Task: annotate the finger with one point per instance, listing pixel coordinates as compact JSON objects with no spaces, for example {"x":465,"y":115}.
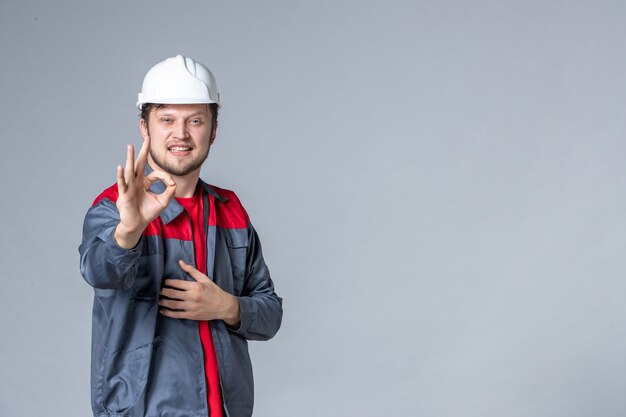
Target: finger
{"x":174,"y":314}
{"x":166,"y":196}
{"x":142,"y":158}
{"x":148,"y":181}
{"x":173,"y":288}
{"x":173,"y":304}
{"x":121,"y":182}
{"x":170,"y":186}
{"x":195,"y":274}
{"x":155,"y":176}
{"x":168,"y":180}
{"x":129,"y":172}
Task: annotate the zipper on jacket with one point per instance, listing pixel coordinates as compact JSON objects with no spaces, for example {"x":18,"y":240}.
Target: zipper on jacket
{"x":193,"y":239}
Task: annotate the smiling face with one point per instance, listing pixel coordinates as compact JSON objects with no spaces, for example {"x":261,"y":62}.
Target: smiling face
{"x":180,"y":137}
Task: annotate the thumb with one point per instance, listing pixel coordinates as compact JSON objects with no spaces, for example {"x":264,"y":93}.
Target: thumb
{"x":193,"y":272}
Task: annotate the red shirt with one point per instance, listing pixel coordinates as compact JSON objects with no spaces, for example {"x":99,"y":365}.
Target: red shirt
{"x":194,"y":207}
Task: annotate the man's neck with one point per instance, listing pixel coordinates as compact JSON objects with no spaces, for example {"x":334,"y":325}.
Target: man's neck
{"x":186,"y":185}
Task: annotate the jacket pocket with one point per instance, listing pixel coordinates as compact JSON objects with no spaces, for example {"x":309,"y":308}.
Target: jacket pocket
{"x":237,"y":244}
{"x":124,"y":376}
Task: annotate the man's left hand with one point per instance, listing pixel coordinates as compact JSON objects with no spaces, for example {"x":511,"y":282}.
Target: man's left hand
{"x":199,"y":300}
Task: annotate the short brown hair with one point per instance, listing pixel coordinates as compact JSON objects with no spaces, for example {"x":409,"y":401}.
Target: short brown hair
{"x":148,"y":107}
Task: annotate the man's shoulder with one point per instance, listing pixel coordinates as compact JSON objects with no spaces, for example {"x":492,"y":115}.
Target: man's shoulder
{"x":230,"y":212}
{"x":110,"y":194}
{"x":224,"y":193}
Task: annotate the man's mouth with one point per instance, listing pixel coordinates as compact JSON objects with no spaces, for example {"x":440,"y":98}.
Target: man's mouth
{"x":179,"y":148}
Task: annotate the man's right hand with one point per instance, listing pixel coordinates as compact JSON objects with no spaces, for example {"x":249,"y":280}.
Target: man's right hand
{"x":137,"y":205}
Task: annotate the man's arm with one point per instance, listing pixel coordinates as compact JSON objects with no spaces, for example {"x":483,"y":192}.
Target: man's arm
{"x":112,"y":230}
{"x":103,"y":263}
{"x":260,"y":307}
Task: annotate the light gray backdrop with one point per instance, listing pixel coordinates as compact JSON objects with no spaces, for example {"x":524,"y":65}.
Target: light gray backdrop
{"x":439,"y":187}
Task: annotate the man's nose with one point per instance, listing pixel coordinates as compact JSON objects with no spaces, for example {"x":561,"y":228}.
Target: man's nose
{"x":180,"y":129}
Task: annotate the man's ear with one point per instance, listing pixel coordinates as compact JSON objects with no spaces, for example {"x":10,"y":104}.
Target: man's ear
{"x":143,"y":128}
{"x":213,"y":133}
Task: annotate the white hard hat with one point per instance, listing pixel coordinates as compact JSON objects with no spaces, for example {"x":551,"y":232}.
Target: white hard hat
{"x":178,"y":80}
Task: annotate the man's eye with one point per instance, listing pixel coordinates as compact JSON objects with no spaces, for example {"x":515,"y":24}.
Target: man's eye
{"x":166,"y":119}
{"x":195,"y":121}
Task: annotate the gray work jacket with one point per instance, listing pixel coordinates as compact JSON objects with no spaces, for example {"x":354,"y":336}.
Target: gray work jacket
{"x":145,"y":364}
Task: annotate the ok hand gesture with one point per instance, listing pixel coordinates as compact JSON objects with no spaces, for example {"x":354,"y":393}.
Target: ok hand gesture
{"x":137,"y":205}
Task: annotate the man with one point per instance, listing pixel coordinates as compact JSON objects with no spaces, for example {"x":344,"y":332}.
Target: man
{"x":177,"y":269}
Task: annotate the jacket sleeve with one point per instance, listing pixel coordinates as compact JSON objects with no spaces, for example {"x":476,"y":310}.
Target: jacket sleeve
{"x":104,"y":264}
{"x":260,"y":307}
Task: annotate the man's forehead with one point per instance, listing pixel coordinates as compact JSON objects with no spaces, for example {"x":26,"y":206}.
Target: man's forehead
{"x":183,"y":109}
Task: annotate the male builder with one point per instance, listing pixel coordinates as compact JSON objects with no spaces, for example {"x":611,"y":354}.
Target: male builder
{"x":179,"y":278}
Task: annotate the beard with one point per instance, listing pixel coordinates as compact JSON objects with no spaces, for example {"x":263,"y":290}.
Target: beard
{"x":180,"y":169}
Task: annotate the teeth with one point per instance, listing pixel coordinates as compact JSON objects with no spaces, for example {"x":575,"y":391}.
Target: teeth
{"x":179,"y":148}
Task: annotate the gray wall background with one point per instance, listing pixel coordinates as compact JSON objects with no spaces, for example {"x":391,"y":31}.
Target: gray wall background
{"x":439,"y":187}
